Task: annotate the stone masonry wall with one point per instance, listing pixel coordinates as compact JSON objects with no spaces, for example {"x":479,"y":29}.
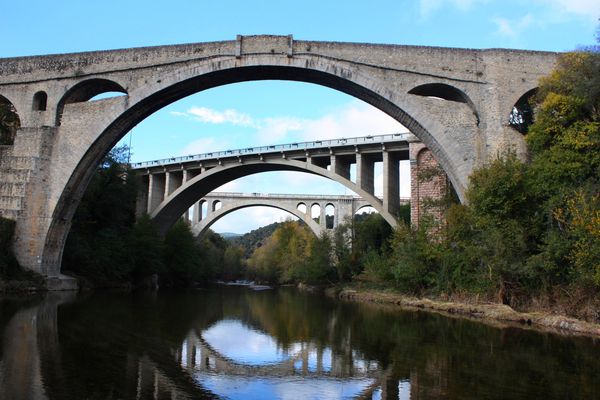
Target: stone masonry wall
{"x":429,"y":185}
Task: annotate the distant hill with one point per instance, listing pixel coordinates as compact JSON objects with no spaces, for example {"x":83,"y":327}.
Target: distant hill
{"x":230,"y":235}
{"x":253,"y":239}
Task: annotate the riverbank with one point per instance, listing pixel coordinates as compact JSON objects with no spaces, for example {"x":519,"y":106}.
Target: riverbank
{"x":493,"y":313}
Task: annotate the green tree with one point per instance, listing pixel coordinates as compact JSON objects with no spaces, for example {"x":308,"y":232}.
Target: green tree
{"x":146,"y":249}
{"x":184,"y":262}
{"x":97,"y":243}
{"x":9,"y":123}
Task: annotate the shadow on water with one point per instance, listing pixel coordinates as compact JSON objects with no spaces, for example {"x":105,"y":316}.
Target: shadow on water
{"x":232,"y":342}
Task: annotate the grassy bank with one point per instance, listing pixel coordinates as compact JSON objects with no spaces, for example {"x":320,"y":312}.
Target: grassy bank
{"x":491,"y":313}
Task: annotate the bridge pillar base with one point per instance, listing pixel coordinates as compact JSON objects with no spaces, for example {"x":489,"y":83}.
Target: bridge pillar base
{"x":61,"y":283}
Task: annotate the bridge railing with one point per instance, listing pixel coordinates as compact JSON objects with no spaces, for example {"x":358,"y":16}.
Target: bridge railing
{"x":228,"y":195}
{"x":371,"y":139}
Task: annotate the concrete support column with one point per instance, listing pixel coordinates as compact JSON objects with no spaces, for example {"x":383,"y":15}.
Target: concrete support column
{"x":323,"y":218}
{"x":156,"y":191}
{"x":141,"y":204}
{"x":340,"y":166}
{"x":365,"y":171}
{"x":391,"y":183}
{"x":336,"y":212}
{"x":173,"y":181}
{"x":197,"y":213}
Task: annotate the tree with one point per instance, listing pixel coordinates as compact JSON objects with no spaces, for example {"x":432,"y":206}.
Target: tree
{"x":9,"y":123}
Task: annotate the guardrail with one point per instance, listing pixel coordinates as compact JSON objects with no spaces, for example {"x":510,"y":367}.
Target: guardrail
{"x":393,"y":137}
{"x":226,"y":195}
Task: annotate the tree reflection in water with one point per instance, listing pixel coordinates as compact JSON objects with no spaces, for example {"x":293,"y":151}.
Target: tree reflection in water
{"x":237,"y":343}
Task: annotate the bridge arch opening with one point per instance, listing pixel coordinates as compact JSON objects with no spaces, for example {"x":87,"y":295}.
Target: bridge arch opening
{"x":329,"y":216}
{"x":301,"y":207}
{"x":145,"y":101}
{"x":521,"y":115}
{"x":366,"y":209}
{"x":315,"y":212}
{"x":202,"y":227}
{"x":445,"y":92}
{"x":40,"y":101}
{"x":85,"y":91}
{"x":10,"y":122}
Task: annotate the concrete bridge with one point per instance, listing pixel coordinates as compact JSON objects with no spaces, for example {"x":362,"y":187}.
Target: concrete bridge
{"x":216,"y":205}
{"x":455,"y":101}
{"x":174,"y":184}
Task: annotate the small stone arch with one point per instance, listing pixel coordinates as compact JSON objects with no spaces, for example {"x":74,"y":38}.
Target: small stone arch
{"x":315,"y":208}
{"x":216,"y":205}
{"x":302,"y":207}
{"x":40,"y":101}
{"x":521,"y":115}
{"x":445,"y":92}
{"x":366,"y":208}
{"x":10,"y":122}
{"x":86,"y":90}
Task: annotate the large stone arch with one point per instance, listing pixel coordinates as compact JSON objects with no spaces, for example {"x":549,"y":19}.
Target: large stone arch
{"x":121,"y":114}
{"x":201,"y":227}
{"x":381,"y":75}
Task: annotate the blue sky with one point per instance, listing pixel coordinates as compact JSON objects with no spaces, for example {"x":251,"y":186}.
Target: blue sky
{"x":279,"y":112}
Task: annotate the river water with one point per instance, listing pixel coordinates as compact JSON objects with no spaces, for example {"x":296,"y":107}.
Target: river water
{"x":240,"y":343}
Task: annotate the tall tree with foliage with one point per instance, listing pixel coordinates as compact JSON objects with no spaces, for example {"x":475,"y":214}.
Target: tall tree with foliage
{"x":97,"y":243}
{"x":564,"y":143}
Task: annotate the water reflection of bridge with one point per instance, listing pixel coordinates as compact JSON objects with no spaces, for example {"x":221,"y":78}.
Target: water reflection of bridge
{"x":32,"y":365}
{"x":307,"y":360}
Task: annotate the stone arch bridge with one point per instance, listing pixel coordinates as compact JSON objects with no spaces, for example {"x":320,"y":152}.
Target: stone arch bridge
{"x":455,"y":101}
{"x":219,"y":204}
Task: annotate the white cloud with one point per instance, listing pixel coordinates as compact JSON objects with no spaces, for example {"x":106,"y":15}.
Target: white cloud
{"x":247,"y":219}
{"x":513,"y":28}
{"x":210,"y":116}
{"x":587,"y":9}
{"x":429,"y":6}
{"x":354,"y":119}
{"x":548,"y":11}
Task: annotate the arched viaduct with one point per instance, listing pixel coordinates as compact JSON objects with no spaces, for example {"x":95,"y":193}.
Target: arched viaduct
{"x":344,"y":207}
{"x":456,"y":101}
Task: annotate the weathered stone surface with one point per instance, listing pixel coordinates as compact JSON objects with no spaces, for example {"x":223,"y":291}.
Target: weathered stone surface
{"x":61,"y":145}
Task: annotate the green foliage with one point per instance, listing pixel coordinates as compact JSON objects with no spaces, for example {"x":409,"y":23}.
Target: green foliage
{"x":182,"y":257}
{"x":9,"y":267}
{"x":319,"y":267}
{"x":293,"y":254}
{"x":499,"y":191}
{"x":414,"y":264}
{"x":254,"y":239}
{"x":528,"y":227}
{"x":212,"y":250}
{"x":9,"y":123}
{"x":146,"y":248}
{"x":233,"y":267}
{"x":97,"y":246}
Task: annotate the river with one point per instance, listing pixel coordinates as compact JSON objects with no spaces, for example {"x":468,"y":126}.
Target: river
{"x":240,"y":343}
